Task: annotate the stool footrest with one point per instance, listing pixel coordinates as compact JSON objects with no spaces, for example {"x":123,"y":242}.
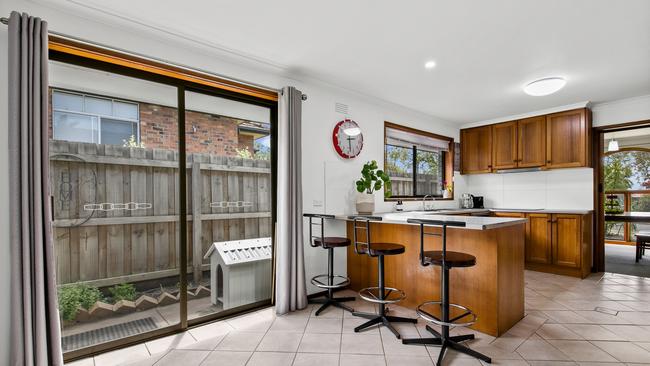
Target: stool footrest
{"x":317,"y":281}
{"x":422,"y":313}
{"x":391,"y":295}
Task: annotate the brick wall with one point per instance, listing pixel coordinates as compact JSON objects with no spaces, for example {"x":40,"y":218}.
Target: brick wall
{"x":205,"y":133}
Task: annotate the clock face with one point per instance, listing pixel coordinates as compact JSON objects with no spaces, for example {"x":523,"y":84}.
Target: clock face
{"x":347,"y":139}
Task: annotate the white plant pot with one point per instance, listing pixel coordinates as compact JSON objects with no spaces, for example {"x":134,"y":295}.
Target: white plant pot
{"x":446,"y":194}
{"x":365,"y":203}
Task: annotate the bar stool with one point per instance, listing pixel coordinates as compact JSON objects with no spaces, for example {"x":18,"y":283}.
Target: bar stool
{"x":642,"y":243}
{"x":328,"y":281}
{"x":446,"y":260}
{"x":380,"y":294}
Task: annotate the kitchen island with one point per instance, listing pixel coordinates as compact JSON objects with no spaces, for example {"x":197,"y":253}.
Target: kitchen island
{"x":493,"y":288}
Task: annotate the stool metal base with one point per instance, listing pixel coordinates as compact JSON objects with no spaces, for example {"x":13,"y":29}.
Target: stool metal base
{"x":385,"y":320}
{"x":328,"y":301}
{"x":450,"y":342}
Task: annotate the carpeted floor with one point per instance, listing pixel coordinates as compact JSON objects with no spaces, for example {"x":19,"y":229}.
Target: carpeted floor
{"x":620,"y":259}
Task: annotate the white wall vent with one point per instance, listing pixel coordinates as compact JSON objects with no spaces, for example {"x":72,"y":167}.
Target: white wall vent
{"x":341,"y":108}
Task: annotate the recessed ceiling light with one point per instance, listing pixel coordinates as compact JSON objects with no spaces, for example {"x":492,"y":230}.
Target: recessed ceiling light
{"x":544,"y":86}
{"x":429,"y":64}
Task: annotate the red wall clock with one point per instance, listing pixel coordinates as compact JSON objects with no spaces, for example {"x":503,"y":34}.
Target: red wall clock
{"x":347,"y":139}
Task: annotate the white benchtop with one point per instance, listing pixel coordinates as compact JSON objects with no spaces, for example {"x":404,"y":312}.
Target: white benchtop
{"x":471,"y":222}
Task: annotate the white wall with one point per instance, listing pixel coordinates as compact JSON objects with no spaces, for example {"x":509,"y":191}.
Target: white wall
{"x":331,"y":191}
{"x":621,"y":111}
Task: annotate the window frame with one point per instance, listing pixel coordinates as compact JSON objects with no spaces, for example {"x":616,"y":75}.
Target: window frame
{"x":98,"y":116}
{"x":447,"y":166}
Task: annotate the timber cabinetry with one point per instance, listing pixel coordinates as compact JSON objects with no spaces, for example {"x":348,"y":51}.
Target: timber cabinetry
{"x":558,"y":140}
{"x":567,"y":139}
{"x":559,"y":243}
{"x":476,"y":150}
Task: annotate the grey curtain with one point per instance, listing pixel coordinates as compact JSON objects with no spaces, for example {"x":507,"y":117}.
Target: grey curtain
{"x":35,"y":333}
{"x":290,"y":284}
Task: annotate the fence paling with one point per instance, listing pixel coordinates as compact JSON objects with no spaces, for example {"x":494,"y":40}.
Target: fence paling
{"x":143,"y":243}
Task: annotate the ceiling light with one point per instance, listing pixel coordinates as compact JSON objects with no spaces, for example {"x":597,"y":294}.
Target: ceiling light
{"x":430,"y":65}
{"x":352,"y":131}
{"x":613,"y":145}
{"x":544,"y":86}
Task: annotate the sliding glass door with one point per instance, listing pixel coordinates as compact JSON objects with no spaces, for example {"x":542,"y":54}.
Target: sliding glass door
{"x":163,"y":203}
{"x":228,"y":145}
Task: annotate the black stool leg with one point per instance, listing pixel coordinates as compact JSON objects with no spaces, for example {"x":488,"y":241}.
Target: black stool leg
{"x":329,"y":299}
{"x":381,"y":318}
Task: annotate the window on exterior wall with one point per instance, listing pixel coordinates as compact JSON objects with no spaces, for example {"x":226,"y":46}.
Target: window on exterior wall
{"x":80,"y":117}
{"x":419,"y":163}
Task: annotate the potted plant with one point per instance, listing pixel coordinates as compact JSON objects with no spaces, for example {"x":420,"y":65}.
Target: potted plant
{"x":448,"y":190}
{"x":372,"y":179}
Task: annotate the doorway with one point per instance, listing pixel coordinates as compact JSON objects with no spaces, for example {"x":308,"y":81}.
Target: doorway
{"x":622,"y":197}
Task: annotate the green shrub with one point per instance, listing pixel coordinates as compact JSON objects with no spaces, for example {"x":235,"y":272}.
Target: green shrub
{"x":124,"y":291}
{"x":75,"y":295}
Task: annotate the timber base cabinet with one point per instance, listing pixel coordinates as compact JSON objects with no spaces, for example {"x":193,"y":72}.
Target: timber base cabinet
{"x":557,"y":243}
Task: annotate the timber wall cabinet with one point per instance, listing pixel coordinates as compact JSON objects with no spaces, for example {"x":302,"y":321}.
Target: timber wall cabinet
{"x":558,"y":140}
{"x":476,"y":155}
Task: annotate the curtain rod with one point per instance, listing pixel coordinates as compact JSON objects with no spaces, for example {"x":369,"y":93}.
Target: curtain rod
{"x":5,"y":21}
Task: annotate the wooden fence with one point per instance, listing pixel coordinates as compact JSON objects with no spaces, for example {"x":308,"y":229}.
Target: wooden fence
{"x":402,"y":184}
{"x":116,"y":210}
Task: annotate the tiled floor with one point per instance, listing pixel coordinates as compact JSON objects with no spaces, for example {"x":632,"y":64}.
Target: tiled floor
{"x":602,"y":320}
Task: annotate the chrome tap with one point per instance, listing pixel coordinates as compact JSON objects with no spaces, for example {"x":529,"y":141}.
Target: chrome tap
{"x":424,"y":206}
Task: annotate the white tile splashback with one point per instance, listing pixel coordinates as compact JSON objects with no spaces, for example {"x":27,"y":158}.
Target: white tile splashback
{"x":552,"y":189}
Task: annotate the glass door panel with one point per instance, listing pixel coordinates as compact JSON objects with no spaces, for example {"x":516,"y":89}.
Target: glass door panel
{"x":115,"y":182}
{"x":228,"y":146}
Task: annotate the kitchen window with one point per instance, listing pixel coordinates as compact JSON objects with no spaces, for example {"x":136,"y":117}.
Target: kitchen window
{"x":87,"y":118}
{"x":419,"y":163}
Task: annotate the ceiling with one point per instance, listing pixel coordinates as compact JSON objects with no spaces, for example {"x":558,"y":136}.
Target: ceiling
{"x":638,"y":137}
{"x":485,"y":50}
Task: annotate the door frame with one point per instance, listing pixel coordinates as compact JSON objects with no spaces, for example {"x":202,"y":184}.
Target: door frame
{"x":181,"y":86}
{"x":598,"y":145}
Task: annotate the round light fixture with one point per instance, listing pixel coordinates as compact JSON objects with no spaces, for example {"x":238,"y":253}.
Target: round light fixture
{"x":429,"y":65}
{"x":544,"y":86}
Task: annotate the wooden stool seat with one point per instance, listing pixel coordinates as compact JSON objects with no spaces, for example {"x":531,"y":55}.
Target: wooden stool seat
{"x":453,"y":259}
{"x":385,"y":249}
{"x":332,"y":242}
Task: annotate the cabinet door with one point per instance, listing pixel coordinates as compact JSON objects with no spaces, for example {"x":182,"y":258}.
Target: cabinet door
{"x":566,"y":139}
{"x":476,"y":150}
{"x":504,"y":145}
{"x":567,"y":230}
{"x":538,"y":238}
{"x":531,"y":142}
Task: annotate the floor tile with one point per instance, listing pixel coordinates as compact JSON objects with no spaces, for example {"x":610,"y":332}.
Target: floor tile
{"x":170,"y":342}
{"x":402,"y":360}
{"x":289,"y":324}
{"x":83,"y":362}
{"x":630,"y":332}
{"x":625,"y":351}
{"x":362,"y":360}
{"x":582,"y":351}
{"x":394,"y":346}
{"x":121,"y":356}
{"x":211,"y":330}
{"x":251,"y":323}
{"x":280,"y":342}
{"x":324,"y":325}
{"x":316,"y":359}
{"x":557,"y":331}
{"x":271,"y":359}
{"x":593,"y":332}
{"x":536,"y":348}
{"x":240,"y":341}
{"x":329,"y":312}
{"x":361,"y":344}
{"x":552,"y":363}
{"x":177,"y":357}
{"x":230,"y":358}
{"x":320,"y":343}
{"x":350,"y":323}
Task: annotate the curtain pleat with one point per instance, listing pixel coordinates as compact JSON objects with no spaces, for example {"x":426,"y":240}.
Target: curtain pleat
{"x":290,"y":284}
{"x":35,"y":331}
